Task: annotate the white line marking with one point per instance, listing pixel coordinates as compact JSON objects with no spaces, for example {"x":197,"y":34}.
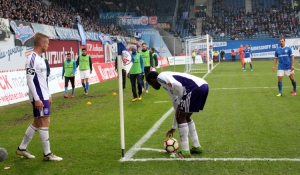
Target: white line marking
{"x":218,"y":159}
{"x":161,"y":101}
{"x":154,"y":128}
{"x":240,"y":88}
{"x":152,"y":149}
{"x":130,"y":153}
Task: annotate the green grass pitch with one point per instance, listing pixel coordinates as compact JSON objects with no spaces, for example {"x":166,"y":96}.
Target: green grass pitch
{"x":242,"y":119}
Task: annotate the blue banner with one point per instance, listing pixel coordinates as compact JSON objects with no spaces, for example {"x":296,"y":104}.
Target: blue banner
{"x":82,"y":34}
{"x":67,"y":34}
{"x":105,"y":38}
{"x":260,"y":48}
{"x":92,"y":36}
{"x":152,"y":38}
{"x":45,"y":29}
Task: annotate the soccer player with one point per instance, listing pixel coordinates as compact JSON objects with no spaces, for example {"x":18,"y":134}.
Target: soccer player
{"x":241,"y":54}
{"x":40,"y":97}
{"x":84,"y":62}
{"x":210,"y":57}
{"x":285,"y":57}
{"x":194,"y":56}
{"x":148,"y":63}
{"x":68,"y":72}
{"x":248,"y":56}
{"x":154,"y":58}
{"x":136,"y":72}
{"x":188,"y":94}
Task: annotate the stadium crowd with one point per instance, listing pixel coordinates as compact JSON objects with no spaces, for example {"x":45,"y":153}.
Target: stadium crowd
{"x":273,"y":21}
{"x":59,"y":13}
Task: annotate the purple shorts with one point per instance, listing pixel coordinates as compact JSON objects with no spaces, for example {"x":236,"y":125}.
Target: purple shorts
{"x":43,"y":113}
{"x":194,"y":101}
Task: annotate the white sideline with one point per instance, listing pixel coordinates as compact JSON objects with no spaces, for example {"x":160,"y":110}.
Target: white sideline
{"x":242,"y":88}
{"x":219,"y":159}
{"x":130,"y":153}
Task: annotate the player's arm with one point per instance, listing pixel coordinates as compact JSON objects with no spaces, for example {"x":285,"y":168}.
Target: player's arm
{"x":63,"y":70}
{"x":77,"y":62}
{"x":74,"y":68}
{"x":155,"y":60}
{"x":292,"y":58}
{"x":91,"y":64}
{"x":275,"y":61}
{"x":151,"y":60}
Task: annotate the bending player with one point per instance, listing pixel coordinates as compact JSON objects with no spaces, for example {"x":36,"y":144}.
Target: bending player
{"x":188,"y":94}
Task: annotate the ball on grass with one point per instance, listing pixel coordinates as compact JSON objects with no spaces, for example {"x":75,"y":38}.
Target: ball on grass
{"x":3,"y":154}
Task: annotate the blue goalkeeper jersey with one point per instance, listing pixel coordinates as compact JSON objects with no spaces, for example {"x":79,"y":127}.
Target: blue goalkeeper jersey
{"x":284,"y":57}
{"x":247,"y":53}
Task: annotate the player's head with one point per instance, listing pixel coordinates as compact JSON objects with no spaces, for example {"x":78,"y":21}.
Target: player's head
{"x":241,"y":45}
{"x":282,"y":41}
{"x":152,"y":49}
{"x":246,"y":45}
{"x":151,"y":78}
{"x":133,"y":48}
{"x":210,"y":47}
{"x":68,"y":56}
{"x":41,"y":41}
{"x":83,"y":51}
{"x":144,"y":46}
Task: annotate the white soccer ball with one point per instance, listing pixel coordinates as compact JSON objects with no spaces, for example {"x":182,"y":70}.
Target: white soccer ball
{"x":171,"y":145}
{"x":3,"y":154}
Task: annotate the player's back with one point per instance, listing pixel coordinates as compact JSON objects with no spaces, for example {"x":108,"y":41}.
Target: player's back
{"x":188,"y":81}
{"x":36,"y":71}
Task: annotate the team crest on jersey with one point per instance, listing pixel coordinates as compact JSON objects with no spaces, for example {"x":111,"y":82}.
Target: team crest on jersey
{"x":30,"y":71}
{"x":46,"y":111}
{"x":285,"y":50}
{"x":170,"y":85}
{"x":126,"y":56}
{"x":22,"y":33}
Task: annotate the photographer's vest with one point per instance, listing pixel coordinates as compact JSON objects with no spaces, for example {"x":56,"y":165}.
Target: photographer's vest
{"x":84,"y":62}
{"x":146,"y":57}
{"x":69,"y":67}
{"x":136,"y":66}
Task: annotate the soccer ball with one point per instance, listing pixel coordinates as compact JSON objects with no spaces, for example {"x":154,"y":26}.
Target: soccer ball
{"x":171,"y":145}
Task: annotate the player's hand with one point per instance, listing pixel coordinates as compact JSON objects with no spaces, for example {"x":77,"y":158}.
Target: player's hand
{"x":273,"y":68}
{"x":292,"y":68}
{"x":62,"y":77}
{"x":170,"y":133}
{"x":90,"y":72}
{"x":72,"y":75}
{"x":39,"y":105}
{"x":50,"y":101}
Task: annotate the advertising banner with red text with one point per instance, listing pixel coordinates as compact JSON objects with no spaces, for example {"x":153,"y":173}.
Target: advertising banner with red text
{"x":58,"y":49}
{"x":105,"y":71}
{"x":13,"y":87}
{"x":163,"y":62}
{"x":95,"y":50}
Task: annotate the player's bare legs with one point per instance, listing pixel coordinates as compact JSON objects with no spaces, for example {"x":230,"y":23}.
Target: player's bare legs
{"x":292,"y":78}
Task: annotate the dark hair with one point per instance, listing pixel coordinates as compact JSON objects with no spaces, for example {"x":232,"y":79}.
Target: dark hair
{"x":83,"y":48}
{"x":151,"y":75}
{"x":144,"y":44}
{"x":68,"y":53}
{"x":152,"y":48}
{"x":282,"y":38}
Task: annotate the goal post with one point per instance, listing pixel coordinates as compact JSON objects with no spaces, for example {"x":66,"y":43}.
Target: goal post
{"x":198,"y":62}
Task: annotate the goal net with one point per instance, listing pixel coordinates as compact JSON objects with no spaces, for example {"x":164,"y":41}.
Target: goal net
{"x":199,"y":61}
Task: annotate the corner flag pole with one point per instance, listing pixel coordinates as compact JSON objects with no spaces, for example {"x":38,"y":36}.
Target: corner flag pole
{"x":120,"y":62}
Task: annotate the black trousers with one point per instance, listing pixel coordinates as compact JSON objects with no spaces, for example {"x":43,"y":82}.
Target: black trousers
{"x":71,"y":79}
{"x":136,"y":79}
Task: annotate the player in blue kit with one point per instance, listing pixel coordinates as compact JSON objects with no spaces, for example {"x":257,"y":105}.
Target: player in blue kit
{"x":188,"y":94}
{"x":39,"y":94}
{"x":285,"y":57}
{"x":247,"y":57}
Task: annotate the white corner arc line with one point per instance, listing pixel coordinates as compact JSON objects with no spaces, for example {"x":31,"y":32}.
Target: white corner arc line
{"x":219,"y":159}
{"x":154,"y":128}
{"x":152,"y":149}
{"x":130,"y":153}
